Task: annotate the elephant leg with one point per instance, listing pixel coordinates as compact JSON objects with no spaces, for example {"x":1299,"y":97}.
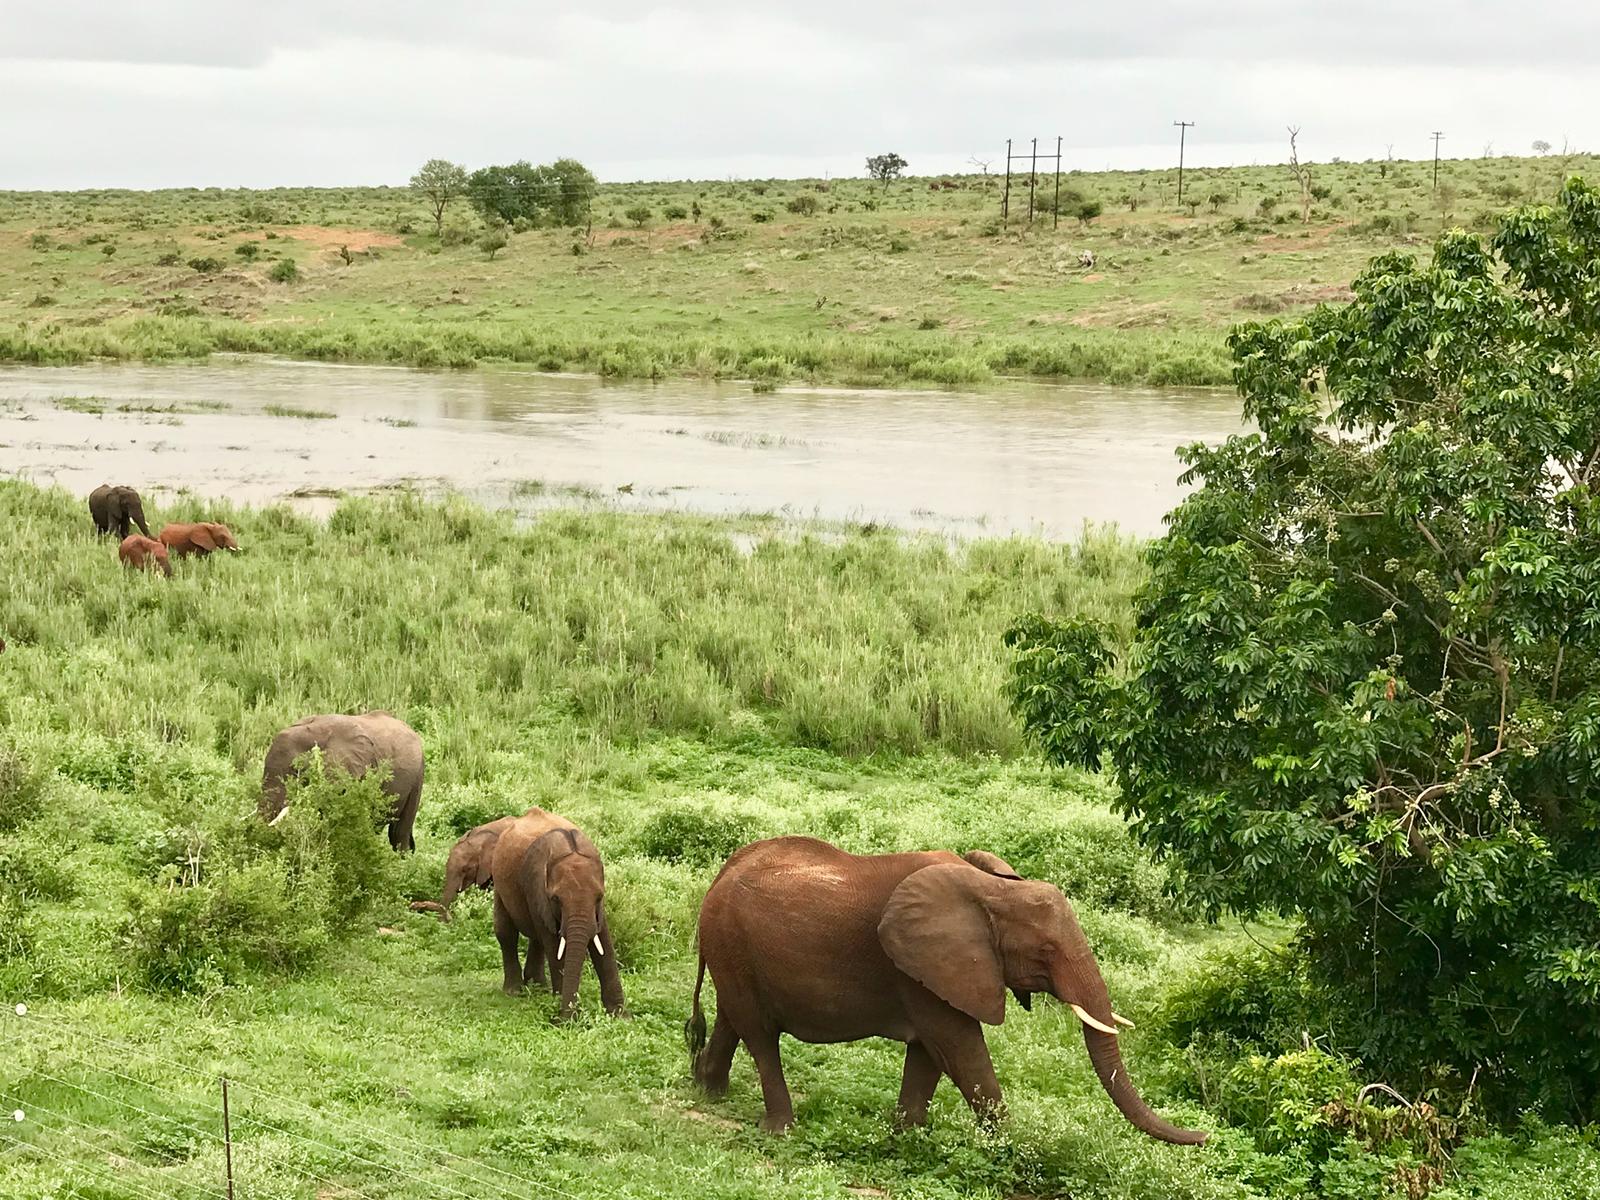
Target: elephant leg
{"x":533,"y":971}
{"x":505,"y":932}
{"x":610,"y":975}
{"x":763,"y":1047}
{"x":401,"y":829}
{"x":917,"y":1086}
{"x":966,"y":1060}
{"x":716,"y":1060}
{"x":547,"y":947}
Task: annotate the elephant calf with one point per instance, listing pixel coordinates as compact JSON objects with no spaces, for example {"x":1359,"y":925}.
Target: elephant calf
{"x":471,"y":864}
{"x":355,"y":745}
{"x":199,"y":538}
{"x":144,"y":554}
{"x":114,"y":508}
{"x":549,"y":886}
{"x":804,"y":939}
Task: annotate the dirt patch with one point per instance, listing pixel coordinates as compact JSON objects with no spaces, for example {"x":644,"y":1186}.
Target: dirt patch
{"x":325,"y":237}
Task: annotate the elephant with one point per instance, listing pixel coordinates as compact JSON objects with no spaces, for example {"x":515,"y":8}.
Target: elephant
{"x":470,"y":864}
{"x":144,"y":553}
{"x":805,"y":939}
{"x":115,"y":509}
{"x":199,"y":538}
{"x":549,"y":885}
{"x":356,"y":745}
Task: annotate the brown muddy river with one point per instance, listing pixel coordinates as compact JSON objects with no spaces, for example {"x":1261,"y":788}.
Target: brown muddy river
{"x":1039,"y":458}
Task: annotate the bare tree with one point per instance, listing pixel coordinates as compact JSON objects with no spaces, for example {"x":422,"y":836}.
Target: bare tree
{"x":981,"y":163}
{"x":1488,"y":149}
{"x":1301,"y":173}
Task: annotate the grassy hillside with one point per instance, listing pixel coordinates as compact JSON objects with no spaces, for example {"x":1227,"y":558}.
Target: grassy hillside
{"x":676,"y":695}
{"x":823,"y":280}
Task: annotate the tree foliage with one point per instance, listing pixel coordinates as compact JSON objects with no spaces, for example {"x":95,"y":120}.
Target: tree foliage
{"x":555,"y":193}
{"x":1364,"y":686}
{"x":440,"y":182}
{"x":885,"y":167}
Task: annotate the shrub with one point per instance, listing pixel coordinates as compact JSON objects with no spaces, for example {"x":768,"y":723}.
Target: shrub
{"x":760,"y":217}
{"x":675,"y":212}
{"x":285,"y":270}
{"x":1393,"y":631}
{"x":168,"y":258}
{"x":696,"y":834}
{"x":1087,"y":210}
{"x":455,"y":235}
{"x":249,"y":251}
{"x":206,"y":265}
{"x":39,"y":241}
{"x":493,"y":241}
{"x":805,"y":204}
{"x":638,"y":214}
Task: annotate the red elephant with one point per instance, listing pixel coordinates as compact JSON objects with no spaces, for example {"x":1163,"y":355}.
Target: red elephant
{"x":144,"y":554}
{"x":200,"y":538}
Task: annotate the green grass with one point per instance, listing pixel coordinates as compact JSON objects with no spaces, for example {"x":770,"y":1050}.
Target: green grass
{"x":673,"y":693}
{"x":908,"y":285}
{"x":304,"y":414}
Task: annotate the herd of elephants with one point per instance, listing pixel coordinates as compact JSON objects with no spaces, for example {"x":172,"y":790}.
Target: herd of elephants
{"x":800,"y":937}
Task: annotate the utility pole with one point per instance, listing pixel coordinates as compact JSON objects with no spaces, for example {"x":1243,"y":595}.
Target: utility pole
{"x":227,"y":1135}
{"x":1436,"y":136}
{"x":1033,"y":180}
{"x":1055,"y":208}
{"x":1183,"y":133}
{"x":1005,"y":196}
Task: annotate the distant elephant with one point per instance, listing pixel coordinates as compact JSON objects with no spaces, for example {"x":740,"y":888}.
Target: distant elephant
{"x":115,"y":509}
{"x":804,"y":939}
{"x":144,"y":554}
{"x":199,"y":538}
{"x":356,"y":745}
{"x":470,"y":864}
{"x":549,"y":886}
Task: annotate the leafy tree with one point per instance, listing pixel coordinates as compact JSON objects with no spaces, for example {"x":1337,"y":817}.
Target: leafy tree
{"x":509,"y":193}
{"x":1087,"y":210}
{"x":494,"y":239}
{"x":805,"y":204}
{"x":1540,"y":146}
{"x":885,"y":167}
{"x":439,"y":182}
{"x":1216,"y":200}
{"x":1364,"y":682}
{"x":638,"y":214}
{"x":573,"y":191}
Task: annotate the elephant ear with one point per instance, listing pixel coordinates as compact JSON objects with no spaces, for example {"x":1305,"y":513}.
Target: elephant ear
{"x":200,"y":535}
{"x":991,"y":864}
{"x":936,"y":928}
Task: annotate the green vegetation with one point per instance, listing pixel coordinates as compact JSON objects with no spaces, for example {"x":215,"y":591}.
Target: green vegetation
{"x":1394,"y":636}
{"x":676,"y":691}
{"x":305,"y":414}
{"x":833,"y":280}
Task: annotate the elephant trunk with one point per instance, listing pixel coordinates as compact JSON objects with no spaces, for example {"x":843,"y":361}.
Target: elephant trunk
{"x":138,"y":517}
{"x":1081,"y":985}
{"x":576,"y":931}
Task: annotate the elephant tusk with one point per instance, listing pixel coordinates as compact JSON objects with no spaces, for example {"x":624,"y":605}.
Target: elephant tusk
{"x":1083,"y":1015}
{"x":598,"y":948}
{"x":561,"y":947}
{"x":282,"y":812}
{"x":1122,"y":1020}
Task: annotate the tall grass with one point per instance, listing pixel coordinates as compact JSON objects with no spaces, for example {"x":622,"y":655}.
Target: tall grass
{"x":675,"y":690}
{"x":1128,"y":357}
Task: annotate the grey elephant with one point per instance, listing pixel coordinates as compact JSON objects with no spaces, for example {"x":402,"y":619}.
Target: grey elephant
{"x":116,"y":509}
{"x":356,"y":745}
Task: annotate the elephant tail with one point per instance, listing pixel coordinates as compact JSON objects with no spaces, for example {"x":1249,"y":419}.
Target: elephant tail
{"x":694,"y":1029}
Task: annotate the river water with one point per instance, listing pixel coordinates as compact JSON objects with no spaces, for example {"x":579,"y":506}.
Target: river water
{"x":1017,"y":457}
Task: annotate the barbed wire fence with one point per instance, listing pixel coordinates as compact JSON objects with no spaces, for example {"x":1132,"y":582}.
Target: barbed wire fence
{"x":211,"y":1135}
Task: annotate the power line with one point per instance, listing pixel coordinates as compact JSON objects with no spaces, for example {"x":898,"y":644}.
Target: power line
{"x":1437,"y":134}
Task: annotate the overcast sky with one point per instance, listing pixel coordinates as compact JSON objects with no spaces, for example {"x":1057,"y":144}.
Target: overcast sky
{"x":153,"y":93}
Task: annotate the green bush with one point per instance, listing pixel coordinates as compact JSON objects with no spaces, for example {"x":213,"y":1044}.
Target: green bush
{"x":206,"y":265}
{"x":285,"y":270}
{"x":249,"y":251}
{"x":675,"y":212}
{"x":696,"y":834}
{"x":1393,"y":634}
{"x":805,"y":204}
{"x":639,"y":214}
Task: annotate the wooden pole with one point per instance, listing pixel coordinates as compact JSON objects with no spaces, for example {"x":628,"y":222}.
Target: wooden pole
{"x":227,"y":1135}
{"x":1055,"y":209}
{"x":1033,"y":180}
{"x":1183,"y":132}
{"x":1005,"y":196}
